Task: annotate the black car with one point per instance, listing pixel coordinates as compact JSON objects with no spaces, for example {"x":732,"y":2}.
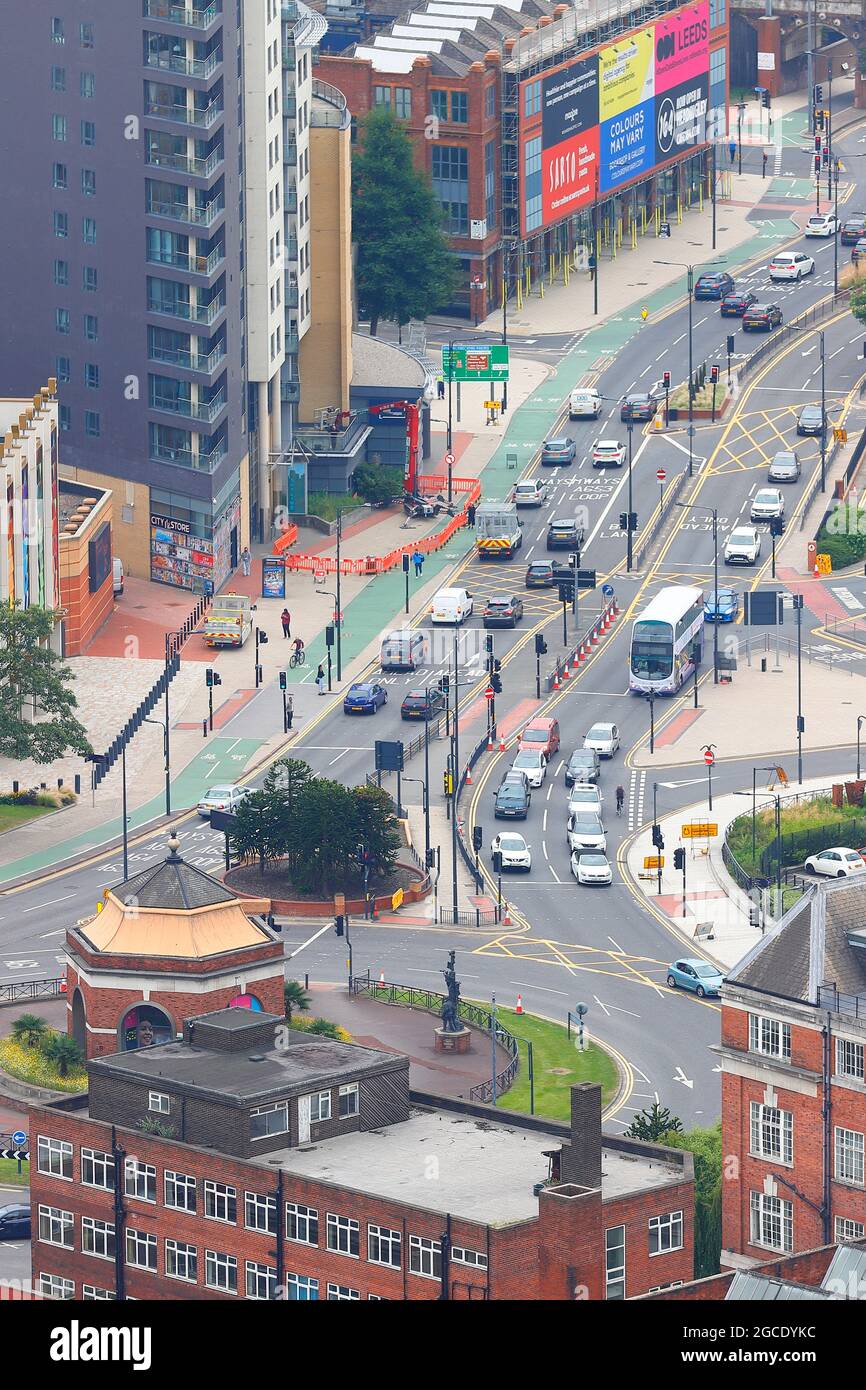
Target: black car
{"x":641,"y":405}
{"x":733,"y":306}
{"x":565,"y":535}
{"x":503,"y":612}
{"x":852,"y":230}
{"x":539,"y":575}
{"x":15,"y":1222}
{"x":761,"y":316}
{"x":715,"y":284}
{"x":422,"y":704}
{"x":511,"y":801}
{"x":811,"y":420}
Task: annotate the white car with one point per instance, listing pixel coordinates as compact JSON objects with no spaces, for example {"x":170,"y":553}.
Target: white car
{"x":767,"y":504}
{"x":531,"y":762}
{"x":591,"y":868}
{"x":822,"y":224}
{"x":603,"y":739}
{"x":608,"y":453}
{"x":515,"y":852}
{"x":584,"y":403}
{"x":586,"y":832}
{"x":451,"y":606}
{"x":584,"y":798}
{"x":835,"y":863}
{"x":224,"y":798}
{"x":791,"y":265}
{"x":532,"y":492}
{"x":743,"y":546}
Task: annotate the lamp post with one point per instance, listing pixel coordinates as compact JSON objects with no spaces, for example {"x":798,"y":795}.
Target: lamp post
{"x":740,"y":109}
{"x":765,"y":767}
{"x":629,"y":544}
{"x":508,"y":250}
{"x":651,"y":701}
{"x":714,"y":513}
{"x":455,"y":782}
{"x":861,"y":718}
{"x":690,"y":285}
{"x":595,"y":247}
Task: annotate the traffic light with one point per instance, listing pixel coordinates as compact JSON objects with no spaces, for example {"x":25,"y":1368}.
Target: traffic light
{"x":430,"y":858}
{"x":817,"y":164}
{"x":496,"y":684}
{"x":541,"y":645}
{"x":632,"y":521}
{"x":329,"y":635}
{"x":444,"y":684}
{"x":679,"y":858}
{"x":666,"y":380}
{"x":497,"y":665}
{"x":497,"y":861}
{"x":817,"y":144}
{"x":714,"y":376}
{"x":765,"y":98}
{"x":658,"y":837}
{"x":729,"y":346}
{"x":819,"y":95}
{"x":405,"y":563}
{"x":283,"y":680}
{"x":477,"y":837}
{"x":340,"y":925}
{"x":777,"y":525}
{"x":566,"y":592}
{"x":623,"y":521}
{"x":819,"y":120}
{"x":754,"y":917}
{"x":488,"y":642}
{"x":212,"y":678}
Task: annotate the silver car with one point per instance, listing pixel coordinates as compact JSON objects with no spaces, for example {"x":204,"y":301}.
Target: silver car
{"x":767,"y":504}
{"x":586,"y":832}
{"x":223,"y":798}
{"x":784,"y":467}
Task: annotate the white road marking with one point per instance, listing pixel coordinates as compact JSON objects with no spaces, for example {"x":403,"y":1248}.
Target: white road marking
{"x":520,"y":984}
{"x":845,"y":596}
{"x":50,"y":903}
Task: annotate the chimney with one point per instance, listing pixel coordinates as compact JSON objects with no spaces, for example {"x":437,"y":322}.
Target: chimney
{"x":581,"y":1155}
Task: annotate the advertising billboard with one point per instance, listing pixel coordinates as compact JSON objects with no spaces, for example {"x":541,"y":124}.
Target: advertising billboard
{"x":569,"y":140}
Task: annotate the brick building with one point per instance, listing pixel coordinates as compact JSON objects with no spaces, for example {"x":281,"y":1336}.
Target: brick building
{"x":85,"y":557}
{"x":830,"y":1272}
{"x":251,"y":1160}
{"x":793,"y":1087}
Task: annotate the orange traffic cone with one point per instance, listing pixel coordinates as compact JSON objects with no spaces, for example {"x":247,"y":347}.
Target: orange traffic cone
{"x":381,"y":979}
{"x":506,"y":920}
{"x":490,"y":739}
{"x":519,"y":1009}
{"x":594,"y":637}
{"x":566,"y":673}
{"x":468,"y":775}
{"x":556,"y":681}
{"x":502,"y":743}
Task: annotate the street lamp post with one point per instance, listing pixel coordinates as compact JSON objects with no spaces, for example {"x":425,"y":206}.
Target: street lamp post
{"x":690,"y":284}
{"x":836,"y":234}
{"x":755,"y":770}
{"x":595,"y":246}
{"x":651,"y":701}
{"x":861,"y":718}
{"x":714,"y":513}
{"x":629,"y":533}
{"x":455,"y":782}
{"x":507,"y":253}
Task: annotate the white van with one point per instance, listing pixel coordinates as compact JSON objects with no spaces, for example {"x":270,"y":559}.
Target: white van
{"x":451,"y":606}
{"x":404,"y":650}
{"x":584,"y":404}
{"x":117,"y":576}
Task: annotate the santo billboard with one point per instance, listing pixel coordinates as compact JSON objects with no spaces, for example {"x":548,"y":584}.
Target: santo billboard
{"x":612,"y":115}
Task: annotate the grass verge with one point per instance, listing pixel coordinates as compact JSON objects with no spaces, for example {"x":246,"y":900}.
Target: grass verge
{"x":805,"y":827}
{"x":13,"y":816}
{"x":29,"y":1064}
{"x":9,"y":1175}
{"x":557,"y":1064}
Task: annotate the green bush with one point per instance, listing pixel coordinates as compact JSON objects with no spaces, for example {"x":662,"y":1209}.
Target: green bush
{"x":843,"y":537}
{"x":61,"y":796}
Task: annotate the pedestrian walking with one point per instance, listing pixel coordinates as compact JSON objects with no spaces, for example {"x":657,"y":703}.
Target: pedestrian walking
{"x":591,"y":264}
{"x":286,"y":620}
{"x":764,"y":164}
{"x":418,"y":562}
{"x":320,"y":679}
{"x":732,"y":149}
{"x":440,"y":387}
{"x":246,"y":560}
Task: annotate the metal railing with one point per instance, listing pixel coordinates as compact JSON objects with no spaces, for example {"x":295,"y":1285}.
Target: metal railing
{"x":189,"y":409}
{"x":829,"y":997}
{"x":746,"y":880}
{"x":468,"y":917}
{"x":192,"y":313}
{"x":815,"y":315}
{"x":187,"y":15}
{"x":185,"y":163}
{"x":14,"y":991}
{"x":186,"y":212}
{"x":647,"y":537}
{"x":184,"y":115}
{"x":178,"y":62}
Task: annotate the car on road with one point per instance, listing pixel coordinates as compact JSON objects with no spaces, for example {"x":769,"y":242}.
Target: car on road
{"x":423,"y":704}
{"x":743,"y":546}
{"x":811,"y":420}
{"x":533,"y":764}
{"x":821,"y":224}
{"x":559,"y":450}
{"x":543,"y":734}
{"x":584,"y":797}
{"x":503,"y":612}
{"x":603,"y":739}
{"x":585,"y":831}
{"x":565,"y":534}
{"x":584,"y":403}
{"x":761,"y":318}
{"x":639,"y":405}
{"x":853,"y":228}
{"x":734,"y":305}
{"x":784,"y":467}
{"x":367,"y":697}
{"x":721,"y":606}
{"x":15,"y":1221}
{"x":226,"y":797}
{"x":858,"y":251}
{"x":608,"y":453}
{"x":582,"y":766}
{"x":790,"y":265}
{"x":451,"y":606}
{"x":511,"y":800}
{"x":514,"y":851}
{"x":767,"y":504}
{"x":531,"y":492}
{"x":713,"y":284}
{"x":838,"y":862}
{"x":590,"y":868}
{"x":539,"y":575}
{"x":702,"y":978}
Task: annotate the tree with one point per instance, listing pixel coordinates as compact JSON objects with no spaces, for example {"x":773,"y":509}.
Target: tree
{"x":405,"y":268}
{"x":706,"y":1147}
{"x":377,"y":484}
{"x":29,"y":1029}
{"x":376,"y":828}
{"x":858,"y":303}
{"x":295,"y":997}
{"x":63,"y":1052}
{"x":653,"y":1123}
{"x":33,"y":678}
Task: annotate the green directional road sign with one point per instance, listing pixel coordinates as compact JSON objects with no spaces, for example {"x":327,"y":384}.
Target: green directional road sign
{"x":486,"y":362}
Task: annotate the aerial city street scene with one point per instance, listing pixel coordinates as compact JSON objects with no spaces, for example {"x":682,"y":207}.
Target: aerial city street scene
{"x":433,"y":578}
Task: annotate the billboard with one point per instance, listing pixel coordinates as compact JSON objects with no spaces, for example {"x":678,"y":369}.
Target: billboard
{"x":569,"y":141}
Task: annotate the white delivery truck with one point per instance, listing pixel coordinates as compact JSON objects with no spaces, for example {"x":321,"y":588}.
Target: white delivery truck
{"x":498,"y":533}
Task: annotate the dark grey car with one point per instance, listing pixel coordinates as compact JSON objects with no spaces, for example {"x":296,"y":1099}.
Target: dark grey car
{"x":784,"y":467}
{"x":582,"y":766}
{"x":811,"y":420}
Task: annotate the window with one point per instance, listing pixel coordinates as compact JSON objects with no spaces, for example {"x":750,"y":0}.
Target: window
{"x":462,"y":1256}
{"x":91,"y":376}
{"x":383,"y":1246}
{"x":57,"y":32}
{"x":89,"y":279}
{"x":61,"y":224}
{"x":772,"y":1132}
{"x":220,"y":1202}
{"x":425,"y":1257}
{"x":59,"y":178}
{"x":382,"y":97}
{"x":269,"y":1119}
{"x":717,"y":111}
{"x":179,"y":1191}
{"x":181,"y":1261}
{"x":451,"y":184}
{"x":260,"y":1213}
{"x":97,"y":1169}
{"x":301,"y":1289}
{"x":849,"y":1155}
{"x":302,"y":1224}
{"x":56,"y":1227}
{"x":58,"y":128}
{"x":53,"y":1286}
{"x":460,"y":107}
{"x":141,"y":1249}
{"x":61,"y":272}
{"x":88,"y":183}
{"x":849,"y":1230}
{"x":338,"y":1292}
{"x":849,"y":1058}
{"x":770,"y":1037}
{"x":717,"y":13}
{"x":220,"y":1271}
{"x":97,"y":1238}
{"x":666,"y":1233}
{"x":62,"y":323}
{"x":348,"y":1101}
{"x":88,"y":85}
{"x":532,"y":183}
{"x":58,"y":79}
{"x":490,"y":100}
{"x":88,"y":133}
{"x":140,"y":1178}
{"x":87,"y":35}
{"x":261,"y":1281}
{"x":88,"y":231}
{"x":90,"y":1293}
{"x":91,"y":328}
{"x":403,"y":103}
{"x":772,"y":1222}
{"x":439,"y":104}
{"x":532,"y":98}
{"x":62,"y":369}
{"x":343,"y":1234}
{"x":159,"y":1103}
{"x":320,"y":1106}
{"x":54,"y":1155}
{"x":614,"y":1262}
{"x":64,"y":417}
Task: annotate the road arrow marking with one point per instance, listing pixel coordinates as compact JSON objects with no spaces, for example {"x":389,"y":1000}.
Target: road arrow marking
{"x":681,"y":1076}
{"x":600,"y":1005}
{"x":690,"y":783}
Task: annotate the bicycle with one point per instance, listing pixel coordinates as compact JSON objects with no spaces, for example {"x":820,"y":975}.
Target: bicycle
{"x":297,"y":658}
{"x":620,"y":800}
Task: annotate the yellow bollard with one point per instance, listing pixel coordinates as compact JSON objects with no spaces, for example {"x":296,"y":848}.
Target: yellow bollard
{"x":700,"y":197}
{"x":634,"y":236}
{"x":664,"y":207}
{"x":643,"y":219}
{"x":541,"y":285}
{"x":565,"y":269}
{"x":519,"y":293}
{"x":679,"y":208}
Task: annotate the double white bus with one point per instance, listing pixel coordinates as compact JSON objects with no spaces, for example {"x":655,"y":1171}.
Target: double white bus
{"x":663,"y":641}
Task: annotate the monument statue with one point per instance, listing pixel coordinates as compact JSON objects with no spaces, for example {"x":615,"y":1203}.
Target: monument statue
{"x":449,"y":1013}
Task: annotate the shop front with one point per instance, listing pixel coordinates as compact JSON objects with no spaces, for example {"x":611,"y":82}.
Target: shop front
{"x":189,"y":549}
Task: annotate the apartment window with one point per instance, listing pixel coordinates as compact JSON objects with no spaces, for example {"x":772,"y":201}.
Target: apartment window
{"x":159,"y":1103}
{"x":91,"y":328}
{"x":88,"y":133}
{"x":269,"y":1119}
{"x":61,"y":224}
{"x":141,"y":1249}
{"x":849,"y":1155}
{"x":54,"y":1155}
{"x":666,"y":1233}
{"x":614,"y":1263}
{"x":179,"y":1191}
{"x":461,"y":1256}
{"x":260,"y":1213}
{"x":64,"y":418}
{"x":91,"y":376}
{"x":770,"y":1037}
{"x":490,"y":100}
{"x":88,"y":85}
{"x":90,"y":1293}
{"x":382,"y":97}
{"x":302,"y":1224}
{"x":57,"y":32}
{"x":383,"y":1246}
{"x":532,"y":183}
{"x":53,"y":1286}
{"x":56,"y":1227}
{"x":451,"y":185}
{"x":849,"y":1058}
{"x":62,"y":369}
{"x":58,"y":128}
{"x":460,"y":108}
{"x":717,"y":13}
{"x":140,"y":1178}
{"x":439,"y":104}
{"x":490,"y":184}
{"x":403,"y":103}
{"x":343,"y":1234}
{"x":61,"y":272}
{"x":181,"y":1261}
{"x":320,"y":1104}
{"x":58,"y":79}
{"x":87,"y":35}
{"x":846,"y":1229}
{"x":97,"y":1238}
{"x":342,"y":1293}
{"x":772,"y":1222}
{"x":532,"y":98}
{"x":348,"y":1101}
{"x":425,"y":1257}
{"x":62,"y":324}
{"x":88,"y":231}
{"x":261,"y":1281}
{"x":301,"y":1289}
{"x":88,"y":183}
{"x":59,"y":177}
{"x":89,"y":279}
{"x":220,"y":1202}
{"x":772,"y":1132}
{"x":97,"y":1169}
{"x":92,"y":424}
{"x":220,"y":1271}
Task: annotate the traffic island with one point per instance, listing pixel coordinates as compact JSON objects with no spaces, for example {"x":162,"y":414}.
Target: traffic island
{"x":408,"y":883}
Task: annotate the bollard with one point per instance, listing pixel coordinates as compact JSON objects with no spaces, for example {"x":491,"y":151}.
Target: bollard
{"x":59,"y":783}
{"x":14,"y":788}
{"x":204,"y":728}
{"x":78,"y":784}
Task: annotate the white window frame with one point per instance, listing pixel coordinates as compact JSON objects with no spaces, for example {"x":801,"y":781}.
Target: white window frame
{"x":100,"y":1232}
{"x":281,"y":1110}
{"x":423,"y":1252}
{"x":848,"y":1051}
{"x":849,"y":1150}
{"x":91,"y":1294}
{"x":310,"y":1287}
{"x":183,"y":1254}
{"x":460,"y":1255}
{"x":766,"y":1213}
{"x":180,"y":1182}
{"x":771,"y":1133}
{"x":59,"y":1227}
{"x":53,"y":1156}
{"x":614,"y":1274}
{"x":320,"y":1100}
{"x":350,"y":1091}
{"x":159,"y":1103}
{"x":137,"y":1174}
{"x":847,"y":1229}
{"x":341,"y":1293}
{"x":770,"y":1037}
{"x":303,"y":1217}
{"x":665,"y":1228}
{"x":216,"y":1262}
{"x":389,"y":1241}
{"x":54,"y":1286}
{"x":221,"y":1194}
{"x":137,"y":1242}
{"x":343,"y":1227}
{"x":258,"y":1204}
{"x":260,"y":1273}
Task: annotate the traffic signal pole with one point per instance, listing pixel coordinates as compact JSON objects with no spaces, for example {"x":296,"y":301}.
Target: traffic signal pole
{"x":455,"y":782}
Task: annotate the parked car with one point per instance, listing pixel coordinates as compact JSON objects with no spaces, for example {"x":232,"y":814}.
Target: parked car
{"x":558,"y":450}
{"x":511,"y":800}
{"x":853,"y":228}
{"x":767,"y":504}
{"x":584,"y":403}
{"x":117,"y":576}
{"x":590,"y":868}
{"x":722,"y":606}
{"x":543,"y":734}
{"x":811,"y":421}
{"x":761,"y":317}
{"x":713,"y":284}
{"x":784,"y":467}
{"x":582,"y":766}
{"x":367,"y":697}
{"x":699,"y":976}
{"x":565,"y":534}
{"x":838,"y":862}
{"x":639,"y":405}
{"x":743,"y":546}
{"x":226,"y":797}
{"x":539,"y":575}
{"x":821,"y":224}
{"x":790,"y":265}
{"x":583,"y":797}
{"x":503,"y":612}
{"x":15,"y":1221}
{"x":530,"y":492}
{"x":859,"y":250}
{"x":735,"y":305}
{"x":533,"y":764}
{"x":608,"y":453}
{"x":513,"y":850}
{"x":423,"y":704}
{"x":585,"y":831}
{"x":603,"y":739}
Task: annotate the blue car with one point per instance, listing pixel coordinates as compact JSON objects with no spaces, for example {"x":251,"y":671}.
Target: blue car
{"x":559,"y":450}
{"x":365,"y":698}
{"x":721,"y":607}
{"x":702,"y":978}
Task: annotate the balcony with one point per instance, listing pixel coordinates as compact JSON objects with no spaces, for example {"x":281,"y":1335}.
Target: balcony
{"x":290,"y":391}
{"x":291,"y":342}
{"x":325,"y":440}
{"x":290,"y":107}
{"x":184,"y":212}
{"x":192,"y":313}
{"x":186,"y":164}
{"x":190,"y":361}
{"x":189,"y":458}
{"x":187,"y":67}
{"x":290,"y":295}
{"x":289,"y":57}
{"x":290,"y":152}
{"x":194,"y":265}
{"x":186,"y":15}
{"x":185,"y":115}
{"x":291,"y":248}
{"x":203,"y":411}
{"x":290,"y":200}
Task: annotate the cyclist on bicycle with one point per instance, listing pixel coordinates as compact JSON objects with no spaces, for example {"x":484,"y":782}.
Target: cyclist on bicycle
{"x":298,"y":651}
{"x":620,"y":798}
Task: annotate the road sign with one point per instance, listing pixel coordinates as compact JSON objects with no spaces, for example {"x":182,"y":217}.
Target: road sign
{"x":449,"y":459}
{"x":709,"y":757}
{"x":470,"y":362}
{"x":225,"y":821}
{"x":660,"y":475}
{"x":397,"y":899}
{"x":488,"y":694}
{"x":654,"y":861}
{"x":607,"y":590}
{"x":388,"y":754}
{"x":644,"y":313}
{"x":19,"y":1138}
{"x":699,"y":830}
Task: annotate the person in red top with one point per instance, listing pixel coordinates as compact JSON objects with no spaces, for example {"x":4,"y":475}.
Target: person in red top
{"x":286,"y":620}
